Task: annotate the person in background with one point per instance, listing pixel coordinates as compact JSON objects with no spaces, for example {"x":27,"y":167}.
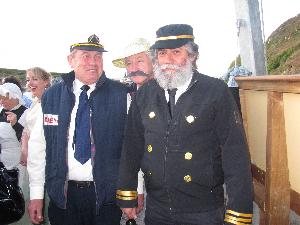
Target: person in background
{"x":37,"y":80}
{"x":185,"y":132}
{"x":13,"y":112}
{"x":75,"y":146}
{"x":12,"y":119}
{"x":26,"y":98}
{"x":137,"y":62}
{"x":229,"y":78}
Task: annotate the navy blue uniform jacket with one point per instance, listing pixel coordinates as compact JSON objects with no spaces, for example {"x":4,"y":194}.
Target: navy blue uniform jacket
{"x":108,"y":103}
{"x":187,"y":159}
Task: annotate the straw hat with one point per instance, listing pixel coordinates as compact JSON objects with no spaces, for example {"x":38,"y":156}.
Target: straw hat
{"x":136,"y":46}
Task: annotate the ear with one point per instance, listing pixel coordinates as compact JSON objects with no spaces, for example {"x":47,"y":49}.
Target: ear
{"x":193,"y":57}
{"x":47,"y":83}
{"x":69,"y":58}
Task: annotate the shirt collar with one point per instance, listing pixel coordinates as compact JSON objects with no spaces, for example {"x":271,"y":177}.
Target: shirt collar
{"x":77,"y":84}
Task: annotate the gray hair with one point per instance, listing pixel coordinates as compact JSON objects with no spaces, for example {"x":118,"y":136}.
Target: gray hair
{"x":191,"y":47}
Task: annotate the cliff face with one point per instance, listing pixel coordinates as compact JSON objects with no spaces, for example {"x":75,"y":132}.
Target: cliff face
{"x":283,"y":48}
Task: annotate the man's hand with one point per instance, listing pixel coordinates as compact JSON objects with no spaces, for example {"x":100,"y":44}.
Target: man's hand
{"x":140,"y":203}
{"x":130,"y":212}
{"x":35,"y":210}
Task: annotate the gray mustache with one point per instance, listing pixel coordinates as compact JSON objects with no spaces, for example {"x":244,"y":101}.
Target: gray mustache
{"x":137,"y":73}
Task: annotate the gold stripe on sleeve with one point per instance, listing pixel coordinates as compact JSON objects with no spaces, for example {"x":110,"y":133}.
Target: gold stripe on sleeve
{"x":126,"y":195}
{"x":239,"y":214}
{"x":235,"y":222}
{"x":232,"y":218}
{"x":125,"y":198}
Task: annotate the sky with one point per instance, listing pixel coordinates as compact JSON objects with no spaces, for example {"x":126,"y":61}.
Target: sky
{"x":40,"y":32}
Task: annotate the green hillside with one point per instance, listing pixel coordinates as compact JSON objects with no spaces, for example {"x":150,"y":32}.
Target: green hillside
{"x":21,"y":74}
{"x":283,"y":48}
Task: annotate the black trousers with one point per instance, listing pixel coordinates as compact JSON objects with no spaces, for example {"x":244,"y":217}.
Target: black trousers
{"x":81,"y":209}
{"x":213,"y":217}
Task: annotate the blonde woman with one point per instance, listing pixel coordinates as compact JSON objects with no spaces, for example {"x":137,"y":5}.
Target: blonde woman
{"x":37,"y":81}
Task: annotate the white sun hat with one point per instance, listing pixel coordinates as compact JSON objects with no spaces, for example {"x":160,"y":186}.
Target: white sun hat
{"x":138,"y":45}
{"x":12,"y":90}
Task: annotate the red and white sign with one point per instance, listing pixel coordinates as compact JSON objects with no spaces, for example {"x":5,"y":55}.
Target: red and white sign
{"x":50,"y":120}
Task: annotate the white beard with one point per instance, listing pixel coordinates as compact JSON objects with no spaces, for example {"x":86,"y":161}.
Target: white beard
{"x":170,"y":80}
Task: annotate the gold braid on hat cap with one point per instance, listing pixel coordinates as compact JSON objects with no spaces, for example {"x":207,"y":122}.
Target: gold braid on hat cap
{"x":87,"y":44}
{"x":175,"y":37}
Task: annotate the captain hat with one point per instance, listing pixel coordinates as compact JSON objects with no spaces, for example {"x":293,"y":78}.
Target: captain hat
{"x":173,"y":36}
{"x":93,"y":44}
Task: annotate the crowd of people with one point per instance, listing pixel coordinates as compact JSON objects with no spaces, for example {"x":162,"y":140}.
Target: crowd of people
{"x":94,"y":151}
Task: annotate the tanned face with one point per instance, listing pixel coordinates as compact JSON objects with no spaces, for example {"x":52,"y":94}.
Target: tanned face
{"x":173,"y":67}
{"x":87,"y":65}
{"x":36,"y":84}
{"x":139,"y":67}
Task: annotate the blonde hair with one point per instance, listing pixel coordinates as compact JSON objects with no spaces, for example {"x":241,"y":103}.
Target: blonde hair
{"x":41,"y":73}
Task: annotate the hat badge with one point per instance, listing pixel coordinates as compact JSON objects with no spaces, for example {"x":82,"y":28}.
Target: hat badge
{"x":93,"y":39}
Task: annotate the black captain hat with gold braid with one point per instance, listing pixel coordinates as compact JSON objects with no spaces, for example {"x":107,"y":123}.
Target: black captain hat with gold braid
{"x":173,"y":36}
{"x":92,"y":45}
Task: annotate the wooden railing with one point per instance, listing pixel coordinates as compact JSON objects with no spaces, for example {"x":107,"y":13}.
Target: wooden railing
{"x":273,"y":193}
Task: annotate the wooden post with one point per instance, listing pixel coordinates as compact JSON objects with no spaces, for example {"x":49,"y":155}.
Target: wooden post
{"x":277,"y":202}
{"x":243,"y":102}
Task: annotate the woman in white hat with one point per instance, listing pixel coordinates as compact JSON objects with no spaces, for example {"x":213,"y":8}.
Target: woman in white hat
{"x":12,"y":119}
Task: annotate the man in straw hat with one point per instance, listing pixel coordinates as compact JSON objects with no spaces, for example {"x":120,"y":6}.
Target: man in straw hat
{"x":184,"y":130}
{"x":137,"y":62}
{"x":76,"y":146}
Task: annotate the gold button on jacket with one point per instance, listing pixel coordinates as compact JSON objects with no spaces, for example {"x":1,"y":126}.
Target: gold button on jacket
{"x":187,"y":178}
{"x":149,"y":148}
{"x":188,"y":156}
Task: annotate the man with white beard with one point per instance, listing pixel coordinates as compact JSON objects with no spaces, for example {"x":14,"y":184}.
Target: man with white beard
{"x":185,"y":132}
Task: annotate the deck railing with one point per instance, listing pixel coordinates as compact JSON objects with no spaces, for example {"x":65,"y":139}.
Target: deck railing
{"x":270,"y":110}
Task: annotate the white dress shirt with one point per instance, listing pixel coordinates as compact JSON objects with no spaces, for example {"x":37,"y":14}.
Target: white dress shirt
{"x":32,"y":115}
{"x":77,"y":171}
{"x":36,"y":159}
